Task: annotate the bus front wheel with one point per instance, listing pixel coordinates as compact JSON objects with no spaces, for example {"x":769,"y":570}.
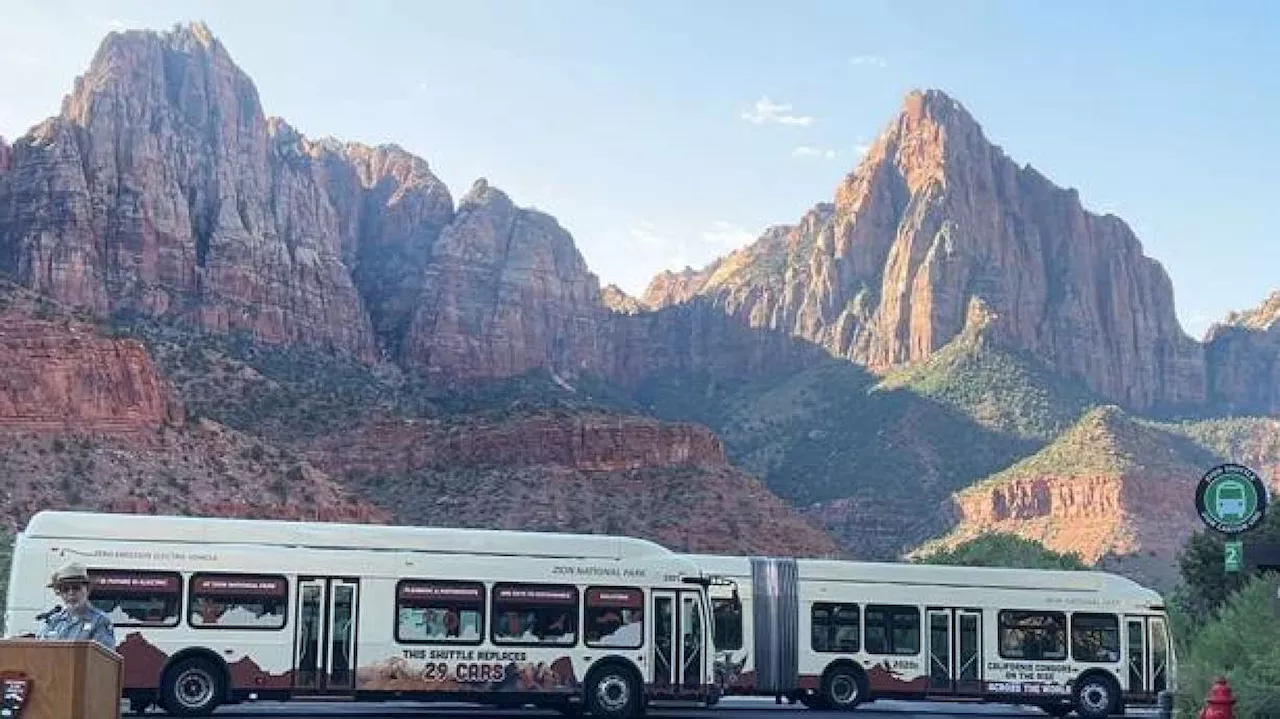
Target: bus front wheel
{"x":1096,"y":696}
{"x":613,"y":693}
{"x":192,"y":687}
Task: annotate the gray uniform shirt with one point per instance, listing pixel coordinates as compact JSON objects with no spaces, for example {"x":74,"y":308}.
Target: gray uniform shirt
{"x":95,"y":625}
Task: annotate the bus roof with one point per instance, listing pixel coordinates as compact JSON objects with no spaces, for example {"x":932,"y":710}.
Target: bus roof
{"x":334,"y":535}
{"x":902,"y":573}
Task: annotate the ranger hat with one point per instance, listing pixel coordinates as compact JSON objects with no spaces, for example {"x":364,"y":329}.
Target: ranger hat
{"x":73,"y":572}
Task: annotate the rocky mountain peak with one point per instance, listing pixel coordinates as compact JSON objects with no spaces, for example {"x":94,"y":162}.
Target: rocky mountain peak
{"x":4,"y":154}
{"x":185,"y":68}
{"x":617,"y":300}
{"x":1243,"y":354}
{"x":935,"y":217}
{"x":929,"y":133}
{"x":672,"y":288}
{"x":1263,"y":317}
{"x":482,"y":192}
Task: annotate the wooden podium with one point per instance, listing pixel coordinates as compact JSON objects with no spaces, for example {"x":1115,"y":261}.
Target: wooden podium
{"x":69,"y":679}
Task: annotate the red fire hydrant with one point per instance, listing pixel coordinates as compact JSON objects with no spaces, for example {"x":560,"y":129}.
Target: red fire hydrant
{"x":1220,"y":702}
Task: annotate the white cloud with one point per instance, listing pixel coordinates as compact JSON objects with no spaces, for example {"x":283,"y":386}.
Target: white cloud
{"x":861,"y":149}
{"x":29,"y":60}
{"x":645,"y":234}
{"x":116,"y":23}
{"x":766,"y":110}
{"x":727,"y":234}
{"x":869,"y":60}
{"x":806,"y":151}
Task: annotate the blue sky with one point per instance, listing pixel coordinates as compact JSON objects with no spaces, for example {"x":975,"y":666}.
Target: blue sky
{"x":630,"y":121}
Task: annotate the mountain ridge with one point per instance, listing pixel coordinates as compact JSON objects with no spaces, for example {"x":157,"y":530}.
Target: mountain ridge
{"x":866,"y":339}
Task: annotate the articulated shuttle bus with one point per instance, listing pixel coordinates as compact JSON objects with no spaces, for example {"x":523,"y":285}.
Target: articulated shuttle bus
{"x":215,"y":611}
{"x":832,"y":634}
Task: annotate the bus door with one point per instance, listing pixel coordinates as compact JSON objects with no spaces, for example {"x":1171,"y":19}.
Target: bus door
{"x":955,"y":651}
{"x":1147,"y":644}
{"x":678,"y":651}
{"x":324,"y":655}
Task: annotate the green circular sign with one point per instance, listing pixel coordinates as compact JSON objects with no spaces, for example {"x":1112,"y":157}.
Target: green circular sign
{"x":1231,"y":498}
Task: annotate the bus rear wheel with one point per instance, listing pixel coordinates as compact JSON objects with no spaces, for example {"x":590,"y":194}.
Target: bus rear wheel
{"x":192,"y":687}
{"x":613,"y":693}
{"x":1096,"y":696}
{"x":842,"y":689}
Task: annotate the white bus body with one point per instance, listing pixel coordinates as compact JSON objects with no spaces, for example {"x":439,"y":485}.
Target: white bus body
{"x":212,"y":611}
{"x":836,"y":633}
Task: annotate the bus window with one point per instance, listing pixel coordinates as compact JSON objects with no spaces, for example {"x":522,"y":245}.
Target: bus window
{"x":542,"y":614}
{"x":1033,"y":635}
{"x":448,"y":612}
{"x":137,"y":599}
{"x":1095,"y":638}
{"x":238,"y":601}
{"x":892,"y":629}
{"x":728,"y":624}
{"x":1159,"y":655}
{"x":1137,"y":655}
{"x":615,"y":617}
{"x":834,"y":627}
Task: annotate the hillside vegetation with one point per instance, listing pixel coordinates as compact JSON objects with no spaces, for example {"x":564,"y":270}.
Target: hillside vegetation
{"x":6,"y":559}
{"x":1007,"y":391}
{"x":1004,"y":550}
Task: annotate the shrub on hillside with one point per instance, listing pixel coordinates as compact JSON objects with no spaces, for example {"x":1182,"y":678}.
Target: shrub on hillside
{"x":1241,"y":642}
{"x":1208,"y":585}
{"x":1005,"y":550}
{"x":6,"y":557}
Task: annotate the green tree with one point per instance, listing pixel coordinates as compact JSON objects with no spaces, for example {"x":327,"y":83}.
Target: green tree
{"x":1005,"y":550}
{"x":6,"y":558}
{"x":1207,"y":583}
{"x":1242,"y":643}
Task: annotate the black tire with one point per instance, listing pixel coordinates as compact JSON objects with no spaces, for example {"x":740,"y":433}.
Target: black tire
{"x":1096,"y":696}
{"x":192,"y":687}
{"x":613,"y":692}
{"x":843,"y":689}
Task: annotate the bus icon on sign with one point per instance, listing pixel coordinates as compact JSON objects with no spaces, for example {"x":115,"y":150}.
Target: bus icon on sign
{"x":1231,"y":500}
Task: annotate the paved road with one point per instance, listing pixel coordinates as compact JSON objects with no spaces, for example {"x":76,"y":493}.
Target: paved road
{"x":732,"y":708}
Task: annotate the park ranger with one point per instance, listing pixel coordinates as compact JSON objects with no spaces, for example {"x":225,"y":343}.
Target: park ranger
{"x":76,"y":618}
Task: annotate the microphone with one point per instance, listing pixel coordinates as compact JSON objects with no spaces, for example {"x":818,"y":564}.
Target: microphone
{"x":43,"y":616}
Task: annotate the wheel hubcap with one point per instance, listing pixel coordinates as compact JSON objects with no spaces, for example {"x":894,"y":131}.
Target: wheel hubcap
{"x":195,"y":688}
{"x":612,"y":692}
{"x":1095,"y":697}
{"x":844,"y":689}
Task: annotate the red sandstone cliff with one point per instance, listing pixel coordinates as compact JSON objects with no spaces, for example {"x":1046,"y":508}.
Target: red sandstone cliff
{"x":936,"y":216}
{"x":586,"y":473}
{"x":1109,"y":486}
{"x":1243,"y":354}
{"x":585,"y":441}
{"x":505,"y":291}
{"x":61,"y":376}
{"x":162,"y":188}
{"x":88,"y":422}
